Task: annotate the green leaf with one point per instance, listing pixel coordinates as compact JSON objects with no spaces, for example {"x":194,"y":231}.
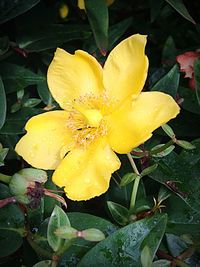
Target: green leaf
{"x":192,"y":156}
{"x":169,"y":51}
{"x":3,"y":153}
{"x":10,"y":9}
{"x":15,"y":122}
{"x":163,"y":193}
{"x":58,"y":218}
{"x":149,"y":170}
{"x":156,"y":6}
{"x":44,"y":92}
{"x":169,"y":82}
{"x":16,"y":77}
{"x":97,"y":13}
{"x":44,"y":37}
{"x":197,"y":79}
{"x":164,"y":153}
{"x":161,"y":263}
{"x":11,"y":225}
{"x":123,"y":248}
{"x":177,"y":175}
{"x":31,"y":102}
{"x":185,"y":144}
{"x":4,"y":45}
{"x":181,"y":9}
{"x":119,"y":213}
{"x":128,"y":178}
{"x":80,"y":246}
{"x":146,"y":257}
{"x":175,"y":245}
{"x":190,"y":102}
{"x":45,"y":263}
{"x":92,"y":234}
{"x":117,"y":30}
{"x":3,"y":105}
{"x":168,"y":130}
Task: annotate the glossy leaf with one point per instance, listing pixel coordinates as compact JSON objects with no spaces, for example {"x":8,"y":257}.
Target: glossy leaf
{"x":10,"y":9}
{"x":3,"y":104}
{"x":181,"y":9}
{"x":97,"y":13}
{"x":149,"y":170}
{"x":169,"y":82}
{"x":123,"y":248}
{"x":128,"y":178}
{"x":119,"y":213}
{"x":11,"y":225}
{"x":161,"y":263}
{"x":50,"y":36}
{"x":16,"y":77}
{"x":190,"y":101}
{"x":164,"y":152}
{"x":58,"y":218}
{"x":185,"y":144}
{"x":146,"y":258}
{"x":168,"y":130}
{"x":175,"y":245}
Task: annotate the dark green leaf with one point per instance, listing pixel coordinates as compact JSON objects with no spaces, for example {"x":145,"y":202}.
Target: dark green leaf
{"x":190,"y":101}
{"x":128,"y":178}
{"x":4,"y":45}
{"x":163,"y":193}
{"x":58,"y":218}
{"x":115,"y":31}
{"x":44,"y":93}
{"x":168,"y":83}
{"x":11,"y":225}
{"x":174,"y":173}
{"x":192,"y":156}
{"x":15,"y":122}
{"x":119,"y":213}
{"x":156,"y":6}
{"x":10,"y":9}
{"x":181,"y":9}
{"x":50,"y":36}
{"x":16,"y":77}
{"x":97,"y":13}
{"x":123,"y":248}
{"x":3,"y":105}
{"x":169,"y":52}
{"x":149,"y":170}
{"x":197,"y":79}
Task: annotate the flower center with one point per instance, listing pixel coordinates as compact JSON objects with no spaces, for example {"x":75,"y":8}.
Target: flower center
{"x":86,"y":118}
{"x":92,"y":116}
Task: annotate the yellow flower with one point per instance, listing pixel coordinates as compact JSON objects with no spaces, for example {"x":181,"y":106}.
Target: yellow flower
{"x":81,"y":3}
{"x":103,"y":112}
{"x":63,"y":11}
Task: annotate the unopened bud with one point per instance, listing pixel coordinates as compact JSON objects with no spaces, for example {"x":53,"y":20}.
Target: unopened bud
{"x":93,"y":234}
{"x":18,"y":185}
{"x":66,"y":232}
{"x":34,"y":175}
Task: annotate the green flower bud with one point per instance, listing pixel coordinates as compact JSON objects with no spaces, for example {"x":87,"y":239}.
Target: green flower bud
{"x":18,"y":185}
{"x":66,"y":232}
{"x":34,"y":175}
{"x":93,"y":234}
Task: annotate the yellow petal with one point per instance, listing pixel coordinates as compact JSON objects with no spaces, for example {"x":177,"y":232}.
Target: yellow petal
{"x":47,"y":140}
{"x":125,"y":69}
{"x":70,"y":76}
{"x":134,"y":122}
{"x":86,"y":172}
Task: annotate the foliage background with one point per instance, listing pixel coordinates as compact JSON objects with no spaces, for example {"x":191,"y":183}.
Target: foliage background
{"x":30,"y":30}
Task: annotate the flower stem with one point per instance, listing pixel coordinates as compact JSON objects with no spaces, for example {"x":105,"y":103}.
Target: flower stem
{"x":135,"y":184}
{"x":5,"y":178}
{"x":6,"y":201}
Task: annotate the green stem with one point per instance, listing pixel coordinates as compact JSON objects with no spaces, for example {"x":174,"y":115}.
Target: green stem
{"x":162,"y":148}
{"x":135,"y":184}
{"x":181,"y":263}
{"x":5,"y":178}
{"x":40,"y":251}
{"x":132,"y":164}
